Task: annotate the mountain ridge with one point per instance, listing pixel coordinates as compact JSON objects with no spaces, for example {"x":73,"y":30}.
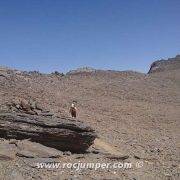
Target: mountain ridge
{"x":156,"y":66}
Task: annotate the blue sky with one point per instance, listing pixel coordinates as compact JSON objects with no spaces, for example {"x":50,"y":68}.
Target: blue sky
{"x":49,"y":35}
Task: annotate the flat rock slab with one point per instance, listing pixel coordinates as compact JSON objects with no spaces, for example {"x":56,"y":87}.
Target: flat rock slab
{"x":65,"y":134}
{"x":35,"y":150}
{"x":7,"y":151}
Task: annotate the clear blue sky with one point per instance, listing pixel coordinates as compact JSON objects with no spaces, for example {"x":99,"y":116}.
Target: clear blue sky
{"x":48,"y":35}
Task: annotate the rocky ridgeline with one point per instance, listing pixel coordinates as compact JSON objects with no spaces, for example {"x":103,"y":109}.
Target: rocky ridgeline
{"x":9,"y":73}
{"x":81,"y":70}
{"x":165,"y":65}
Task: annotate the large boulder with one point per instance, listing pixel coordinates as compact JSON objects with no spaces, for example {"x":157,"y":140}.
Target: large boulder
{"x":65,"y":134}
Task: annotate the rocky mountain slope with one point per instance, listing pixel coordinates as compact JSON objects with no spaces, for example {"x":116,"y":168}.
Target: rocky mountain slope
{"x":165,"y":65}
{"x":137,"y":114}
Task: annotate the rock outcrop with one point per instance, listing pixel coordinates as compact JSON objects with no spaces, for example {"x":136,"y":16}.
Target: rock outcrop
{"x":165,"y":65}
{"x":81,"y":70}
{"x":61,"y":133}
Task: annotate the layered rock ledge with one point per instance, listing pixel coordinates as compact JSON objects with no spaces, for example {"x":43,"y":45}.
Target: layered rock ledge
{"x":62,"y":133}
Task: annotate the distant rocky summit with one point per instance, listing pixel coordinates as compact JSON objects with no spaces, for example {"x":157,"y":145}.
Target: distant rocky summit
{"x":81,"y":70}
{"x":165,"y":65}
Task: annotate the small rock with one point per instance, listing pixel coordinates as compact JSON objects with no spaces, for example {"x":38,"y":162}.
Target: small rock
{"x":137,"y":157}
{"x":5,"y":158}
{"x":118,"y":157}
{"x":26,"y":154}
{"x":32,"y":104}
{"x":67,"y":153}
{"x":79,"y":157}
{"x":95,"y":152}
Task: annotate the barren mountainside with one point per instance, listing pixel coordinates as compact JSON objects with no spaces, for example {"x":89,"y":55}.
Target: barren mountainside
{"x":136,"y":113}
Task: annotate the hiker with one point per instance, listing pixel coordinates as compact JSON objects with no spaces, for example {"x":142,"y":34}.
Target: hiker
{"x":73,"y":110}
